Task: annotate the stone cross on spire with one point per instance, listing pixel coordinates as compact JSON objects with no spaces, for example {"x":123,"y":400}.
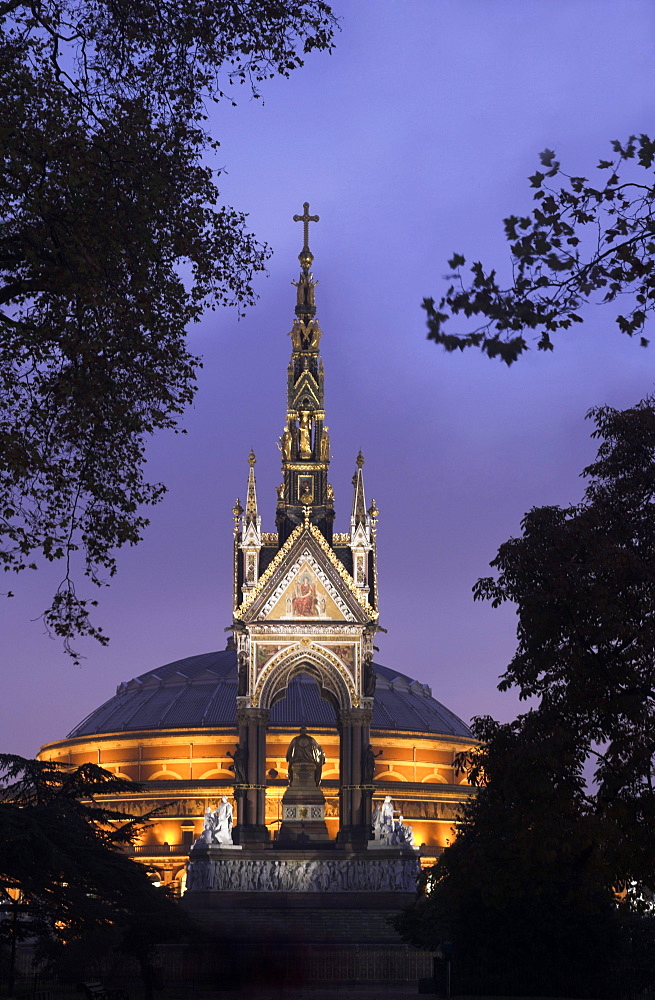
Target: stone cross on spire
{"x":305,"y":256}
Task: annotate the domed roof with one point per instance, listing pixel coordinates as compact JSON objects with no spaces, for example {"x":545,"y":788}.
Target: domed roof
{"x":201,"y":691}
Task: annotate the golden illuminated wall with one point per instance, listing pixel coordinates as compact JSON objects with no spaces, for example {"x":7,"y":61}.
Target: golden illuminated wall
{"x":184,"y":771}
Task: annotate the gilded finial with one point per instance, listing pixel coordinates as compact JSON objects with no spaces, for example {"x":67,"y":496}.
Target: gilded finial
{"x":237,"y":511}
{"x":251,"y":458}
{"x":305,"y":513}
{"x":373,"y":511}
{"x":305,"y":256}
{"x":360,"y":460}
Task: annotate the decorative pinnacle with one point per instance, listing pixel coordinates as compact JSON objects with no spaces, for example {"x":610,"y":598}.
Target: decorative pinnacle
{"x":360,"y":460}
{"x":237,"y":511}
{"x":373,"y":511}
{"x":305,"y":256}
{"x":251,"y":499}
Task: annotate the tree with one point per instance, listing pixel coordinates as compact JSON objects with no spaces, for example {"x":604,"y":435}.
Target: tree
{"x":581,"y":238}
{"x":583,"y":580}
{"x":112,"y":240}
{"x":62,"y":850}
{"x":541,"y":850}
{"x":62,"y":855}
{"x":521,"y":892}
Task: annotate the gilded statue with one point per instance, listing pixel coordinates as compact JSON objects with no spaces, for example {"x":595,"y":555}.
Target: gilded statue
{"x":325,"y":445}
{"x":305,"y":336}
{"x":305,"y":294}
{"x":304,"y":749}
{"x":313,"y":334}
{"x":304,"y":429}
{"x":296,"y":334}
{"x":286,"y":442}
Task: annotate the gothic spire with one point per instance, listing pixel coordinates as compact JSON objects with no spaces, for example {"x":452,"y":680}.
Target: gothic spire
{"x":305,"y":442}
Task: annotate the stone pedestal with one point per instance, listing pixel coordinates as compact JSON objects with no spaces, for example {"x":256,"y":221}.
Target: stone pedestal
{"x":322,"y":911}
{"x":303,"y":808}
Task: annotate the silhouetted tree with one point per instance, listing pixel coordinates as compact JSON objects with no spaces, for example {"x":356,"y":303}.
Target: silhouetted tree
{"x":112,"y":241}
{"x":61,"y":851}
{"x":583,"y":580}
{"x":521,"y":892}
{"x":528,"y":891}
{"x":582,"y":238}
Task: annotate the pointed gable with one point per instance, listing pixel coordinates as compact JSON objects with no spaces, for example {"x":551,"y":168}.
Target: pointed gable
{"x":304,"y":582}
{"x":306,"y":393}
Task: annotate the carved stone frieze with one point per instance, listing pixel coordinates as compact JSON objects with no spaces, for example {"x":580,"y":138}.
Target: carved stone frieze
{"x":413,"y":809}
{"x":245,"y":875}
{"x":165,"y":807}
{"x":318,"y":630}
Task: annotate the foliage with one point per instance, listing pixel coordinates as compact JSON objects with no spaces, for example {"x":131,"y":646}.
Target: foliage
{"x":520,"y":893}
{"x":113,"y":240}
{"x":583,"y":580}
{"x":540,"y":853}
{"x":581,"y":238}
{"x":62,"y":853}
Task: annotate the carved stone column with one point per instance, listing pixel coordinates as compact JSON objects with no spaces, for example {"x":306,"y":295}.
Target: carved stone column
{"x":251,"y":795}
{"x":354,"y":792}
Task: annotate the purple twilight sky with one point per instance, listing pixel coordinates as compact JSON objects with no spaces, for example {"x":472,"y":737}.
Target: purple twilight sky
{"x":413,"y":140}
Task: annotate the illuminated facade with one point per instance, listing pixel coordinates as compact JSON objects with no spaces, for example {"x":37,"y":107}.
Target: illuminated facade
{"x":305,"y":614}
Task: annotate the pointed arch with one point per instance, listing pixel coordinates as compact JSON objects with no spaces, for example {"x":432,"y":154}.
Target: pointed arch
{"x":331,"y":675}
